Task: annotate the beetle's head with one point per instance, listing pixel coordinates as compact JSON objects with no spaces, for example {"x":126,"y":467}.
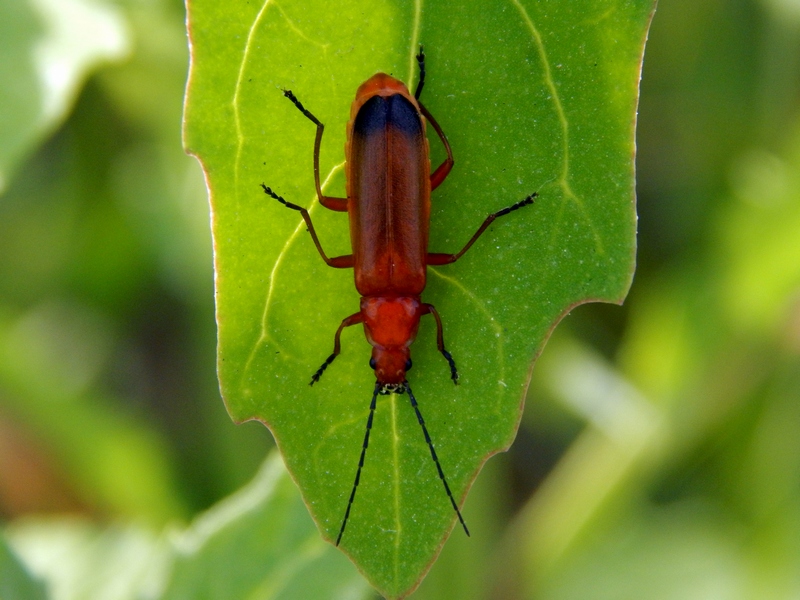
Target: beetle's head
{"x":391,"y":325}
{"x":390,"y":366}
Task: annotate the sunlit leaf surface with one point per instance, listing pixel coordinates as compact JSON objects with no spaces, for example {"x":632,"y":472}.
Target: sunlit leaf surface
{"x":533,"y":97}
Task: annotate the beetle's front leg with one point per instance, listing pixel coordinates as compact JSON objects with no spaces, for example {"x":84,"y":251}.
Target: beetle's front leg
{"x":353,"y":319}
{"x":429,"y":309}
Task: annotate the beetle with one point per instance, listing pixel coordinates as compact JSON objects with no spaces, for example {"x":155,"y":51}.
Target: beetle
{"x":389,"y":184}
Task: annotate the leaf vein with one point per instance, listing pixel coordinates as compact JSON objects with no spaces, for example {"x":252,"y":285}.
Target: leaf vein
{"x":398,"y":526}
{"x":237,"y":91}
{"x":563,"y":180}
{"x":415,"y":32}
{"x":493,"y":323}
{"x":264,"y":335}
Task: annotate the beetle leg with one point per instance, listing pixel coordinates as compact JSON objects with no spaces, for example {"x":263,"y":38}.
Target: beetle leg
{"x":435,"y":258}
{"x":429,"y":309}
{"x":337,"y":204}
{"x":421,"y":63}
{"x":338,"y":262}
{"x":351,"y":320}
{"x":443,"y":170}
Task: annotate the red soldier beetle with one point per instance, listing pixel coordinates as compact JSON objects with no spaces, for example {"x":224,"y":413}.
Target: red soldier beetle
{"x":388,"y":201}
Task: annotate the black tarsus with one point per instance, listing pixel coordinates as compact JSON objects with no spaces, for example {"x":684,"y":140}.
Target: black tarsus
{"x":421,"y":63}
{"x":268,"y":191}
{"x":299,"y":105}
{"x":431,"y":309}
{"x":437,"y":258}
{"x":361,"y":459}
{"x":338,"y":262}
{"x":337,"y":345}
{"x":315,"y":377}
{"x":453,"y":370}
{"x":518,"y":205}
{"x":435,"y":458}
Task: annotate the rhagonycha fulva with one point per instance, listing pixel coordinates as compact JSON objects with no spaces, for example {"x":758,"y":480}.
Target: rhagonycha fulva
{"x":389,"y":186}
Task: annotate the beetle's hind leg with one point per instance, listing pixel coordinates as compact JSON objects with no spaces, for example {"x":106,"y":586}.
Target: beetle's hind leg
{"x":437,"y":258}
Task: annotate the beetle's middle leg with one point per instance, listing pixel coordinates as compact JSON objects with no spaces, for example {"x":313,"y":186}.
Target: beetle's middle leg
{"x":353,"y":319}
{"x":338,"y":262}
{"x":436,"y":258}
{"x":338,"y":204}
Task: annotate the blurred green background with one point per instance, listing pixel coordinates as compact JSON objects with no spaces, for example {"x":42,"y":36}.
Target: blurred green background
{"x":659,"y":454}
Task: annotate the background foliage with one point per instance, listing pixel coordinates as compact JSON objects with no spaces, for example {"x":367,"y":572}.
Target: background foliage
{"x":658,"y":456}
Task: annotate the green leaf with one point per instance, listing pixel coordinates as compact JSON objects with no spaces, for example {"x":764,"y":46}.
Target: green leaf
{"x":257,"y":543}
{"x":533,"y":97}
{"x":47,"y":48}
{"x":15,"y":581}
{"x":260,"y":543}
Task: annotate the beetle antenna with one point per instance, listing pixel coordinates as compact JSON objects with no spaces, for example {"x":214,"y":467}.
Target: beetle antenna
{"x":361,"y":459}
{"x":421,"y":63}
{"x":435,"y":458}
